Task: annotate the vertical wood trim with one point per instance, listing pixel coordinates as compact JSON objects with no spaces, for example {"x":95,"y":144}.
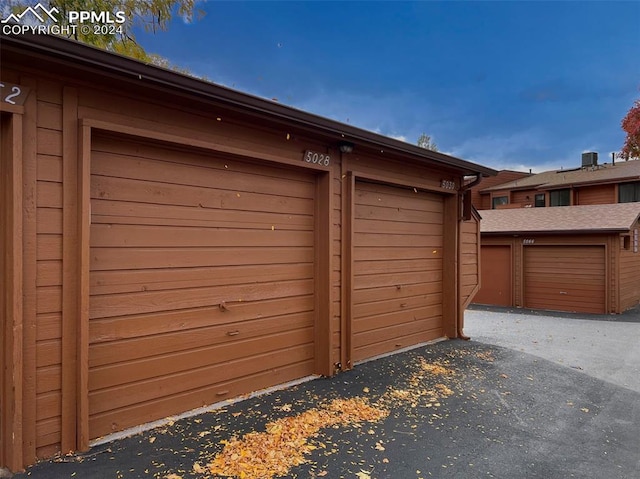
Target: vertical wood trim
{"x":83,"y":252}
{"x":617,"y":261}
{"x":69,"y":267}
{"x":450,"y":266}
{"x":29,"y":267}
{"x":11,"y":453}
{"x":323,"y":262}
{"x":348,"y":189}
{"x":518,"y":272}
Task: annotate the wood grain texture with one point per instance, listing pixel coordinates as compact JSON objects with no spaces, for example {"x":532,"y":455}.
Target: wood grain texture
{"x":565,"y":278}
{"x":203,"y":275}
{"x":397,"y":268}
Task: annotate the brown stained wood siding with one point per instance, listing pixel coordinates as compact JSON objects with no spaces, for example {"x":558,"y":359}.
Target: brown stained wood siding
{"x":483,"y":201}
{"x":497,"y":276}
{"x":336,"y":280}
{"x":629,"y":273}
{"x":469,"y":261}
{"x":595,"y":195}
{"x":397,"y":267}
{"x":523,"y":198}
{"x":565,"y":278}
{"x":283,"y":311}
{"x":174,"y":235}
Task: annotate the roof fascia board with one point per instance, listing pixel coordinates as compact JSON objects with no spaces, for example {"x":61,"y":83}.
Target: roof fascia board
{"x":83,"y":56}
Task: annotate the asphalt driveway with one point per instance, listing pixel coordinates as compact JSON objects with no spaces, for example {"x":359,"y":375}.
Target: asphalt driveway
{"x":453,"y":409}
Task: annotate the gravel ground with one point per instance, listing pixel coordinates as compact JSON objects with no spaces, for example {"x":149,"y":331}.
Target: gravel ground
{"x":604,"y":347}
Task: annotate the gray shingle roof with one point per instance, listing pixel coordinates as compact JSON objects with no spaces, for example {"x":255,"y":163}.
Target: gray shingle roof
{"x":561,"y":219}
{"x":605,"y":173}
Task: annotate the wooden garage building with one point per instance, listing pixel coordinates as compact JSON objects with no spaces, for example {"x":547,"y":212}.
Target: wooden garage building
{"x":567,"y":258}
{"x":168,"y":243}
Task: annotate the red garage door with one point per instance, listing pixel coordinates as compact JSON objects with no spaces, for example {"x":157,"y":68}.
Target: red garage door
{"x":201,"y":281}
{"x":565,"y":278}
{"x":397,"y":297}
{"x":496,"y":286}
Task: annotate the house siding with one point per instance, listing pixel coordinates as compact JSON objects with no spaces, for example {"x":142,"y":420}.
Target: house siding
{"x":620,"y":274}
{"x":629,"y":272}
{"x":69,"y":122}
{"x":596,"y":195}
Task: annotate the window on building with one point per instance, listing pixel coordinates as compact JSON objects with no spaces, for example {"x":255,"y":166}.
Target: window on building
{"x":629,"y":192}
{"x":560,"y":197}
{"x":498,"y":201}
{"x":540,"y":200}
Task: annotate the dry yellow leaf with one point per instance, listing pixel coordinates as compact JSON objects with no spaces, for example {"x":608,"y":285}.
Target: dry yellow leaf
{"x":284,"y":444}
{"x":363,"y":475}
{"x":152,"y":439}
{"x":198,"y":469}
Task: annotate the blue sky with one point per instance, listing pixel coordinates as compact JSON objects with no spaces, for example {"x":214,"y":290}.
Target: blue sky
{"x":513,"y":85}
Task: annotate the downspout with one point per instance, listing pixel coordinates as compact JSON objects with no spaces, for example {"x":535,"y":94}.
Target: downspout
{"x":459,"y":325}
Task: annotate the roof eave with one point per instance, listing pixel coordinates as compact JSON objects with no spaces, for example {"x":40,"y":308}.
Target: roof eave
{"x":90,"y":57}
{"x":556,"y":232}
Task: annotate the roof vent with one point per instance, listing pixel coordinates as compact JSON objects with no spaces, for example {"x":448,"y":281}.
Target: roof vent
{"x":589,"y":159}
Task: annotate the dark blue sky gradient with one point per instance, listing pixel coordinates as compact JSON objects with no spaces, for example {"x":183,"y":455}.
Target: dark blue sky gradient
{"x":507,"y":84}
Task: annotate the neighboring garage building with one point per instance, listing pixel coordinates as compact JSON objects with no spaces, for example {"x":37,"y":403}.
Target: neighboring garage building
{"x":168,"y":243}
{"x":568,"y":258}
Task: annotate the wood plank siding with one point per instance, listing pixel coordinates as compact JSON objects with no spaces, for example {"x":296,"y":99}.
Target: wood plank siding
{"x":202,"y":282}
{"x":497,"y":276}
{"x":630,"y":269}
{"x":165,"y":246}
{"x":596,"y":195}
{"x":397,"y":297}
{"x":469,"y":260}
{"x":565,"y":278}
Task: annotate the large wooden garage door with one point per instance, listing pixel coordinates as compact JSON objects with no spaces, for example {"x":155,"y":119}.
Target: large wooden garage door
{"x":495,"y":287}
{"x":565,"y":278}
{"x":201,"y":281}
{"x":397,"y":268}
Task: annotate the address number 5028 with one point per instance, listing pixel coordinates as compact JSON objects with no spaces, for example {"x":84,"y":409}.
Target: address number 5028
{"x":317,"y":158}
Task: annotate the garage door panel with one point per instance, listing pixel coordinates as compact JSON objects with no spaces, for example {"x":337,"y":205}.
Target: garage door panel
{"x":398,"y":279}
{"x":181,"y":195}
{"x":397,"y":264}
{"x":188,"y":174}
{"x":128,"y":349}
{"x":565,"y":278}
{"x":396,"y":228}
{"x":106,"y":399}
{"x":395,"y":240}
{"x":126,"y":212}
{"x":104,"y":306}
{"x":144,"y":258}
{"x":377,"y":348}
{"x":400,"y":253}
{"x":139,"y":326}
{"x":393,"y":305}
{"x":172,"y":238}
{"x":391,"y":332}
{"x":164,"y":154}
{"x":398,"y":215}
{"x":185,"y":358}
{"x":496,"y":276}
{"x":370,"y":194}
{"x":119,"y":281}
{"x":148,"y":411}
{"x":362,"y":296}
{"x":117,"y":235}
{"x":397,"y":319}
